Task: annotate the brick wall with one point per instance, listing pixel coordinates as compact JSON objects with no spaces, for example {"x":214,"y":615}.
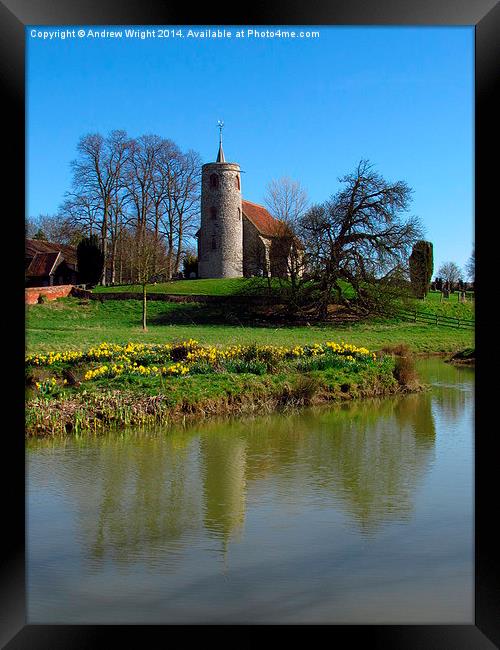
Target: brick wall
{"x":64,"y":290}
{"x":50,"y":293}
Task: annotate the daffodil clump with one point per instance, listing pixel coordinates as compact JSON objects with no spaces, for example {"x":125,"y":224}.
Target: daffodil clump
{"x":49,"y":386}
{"x":54,"y":357}
{"x":179,"y":359}
{"x":114,"y":370}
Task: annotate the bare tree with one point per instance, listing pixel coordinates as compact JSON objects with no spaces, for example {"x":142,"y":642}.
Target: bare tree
{"x":81,"y":212}
{"x":451,"y":273}
{"x":164,"y":185}
{"x":54,"y":228}
{"x":30,"y":227}
{"x":470,"y":266}
{"x":287,"y":201}
{"x":187,"y":200}
{"x":162,"y":195}
{"x":178,"y":201}
{"x":122,"y":187}
{"x":147,"y":259}
{"x":96,"y":173}
{"x":360,"y":236}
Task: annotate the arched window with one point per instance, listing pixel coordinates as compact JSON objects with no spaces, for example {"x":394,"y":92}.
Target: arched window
{"x":214,"y":244}
{"x":239,"y":214}
{"x":237,"y":181}
{"x":213,"y":213}
{"x":214,"y":181}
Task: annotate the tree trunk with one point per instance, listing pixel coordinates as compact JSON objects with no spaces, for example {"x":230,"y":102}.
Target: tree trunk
{"x":179,"y":249}
{"x":170,"y":255}
{"x":144,"y":308}
{"x":113,"y":259}
{"x":104,"y":243}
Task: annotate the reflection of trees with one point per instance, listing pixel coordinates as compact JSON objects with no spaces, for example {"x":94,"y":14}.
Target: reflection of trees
{"x":136,"y":497}
{"x":452,"y":388}
{"x":376,"y":465}
{"x":150,"y":496}
{"x":451,"y":402}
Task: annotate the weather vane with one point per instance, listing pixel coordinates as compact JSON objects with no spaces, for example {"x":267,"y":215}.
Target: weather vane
{"x":220,"y":124}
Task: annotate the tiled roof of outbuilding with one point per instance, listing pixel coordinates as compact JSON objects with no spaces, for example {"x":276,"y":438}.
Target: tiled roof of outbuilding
{"x":34,"y":246}
{"x":43,"y":264}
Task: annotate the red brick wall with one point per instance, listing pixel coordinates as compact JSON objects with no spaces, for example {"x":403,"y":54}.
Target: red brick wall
{"x":50,"y":293}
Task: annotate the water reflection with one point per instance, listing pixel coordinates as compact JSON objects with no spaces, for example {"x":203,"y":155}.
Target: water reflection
{"x":357,"y":513}
{"x":156,"y":496}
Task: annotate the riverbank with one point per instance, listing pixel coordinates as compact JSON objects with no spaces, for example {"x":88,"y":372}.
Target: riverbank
{"x":112,"y":386}
{"x":465,"y":357}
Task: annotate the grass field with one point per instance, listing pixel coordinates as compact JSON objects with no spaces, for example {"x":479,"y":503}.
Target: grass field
{"x":222,"y":287}
{"x":433,"y":304}
{"x":231,"y":286}
{"x":69,"y":323}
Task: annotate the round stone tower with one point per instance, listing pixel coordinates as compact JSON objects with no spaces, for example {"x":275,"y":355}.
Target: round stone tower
{"x":220,"y":239}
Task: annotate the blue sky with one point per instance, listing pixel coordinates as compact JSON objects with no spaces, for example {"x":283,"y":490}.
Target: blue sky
{"x":305,"y":108}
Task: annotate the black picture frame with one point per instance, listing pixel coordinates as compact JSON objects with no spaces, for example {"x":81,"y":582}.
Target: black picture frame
{"x":485,"y":16}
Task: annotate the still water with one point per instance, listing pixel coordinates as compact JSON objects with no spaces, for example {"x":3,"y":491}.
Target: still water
{"x":361,"y":513}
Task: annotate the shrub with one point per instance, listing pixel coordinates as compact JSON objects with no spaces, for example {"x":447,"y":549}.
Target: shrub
{"x":404,"y":370}
{"x":90,"y":260}
{"x":399,"y":350}
{"x":301,"y":392}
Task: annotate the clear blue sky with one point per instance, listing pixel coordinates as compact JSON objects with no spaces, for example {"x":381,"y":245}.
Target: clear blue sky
{"x":306,"y":108}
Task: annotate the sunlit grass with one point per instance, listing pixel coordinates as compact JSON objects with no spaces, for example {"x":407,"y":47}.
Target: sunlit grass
{"x":68,"y":324}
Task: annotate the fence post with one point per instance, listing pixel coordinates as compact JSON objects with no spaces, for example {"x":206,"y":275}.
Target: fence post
{"x":415,"y":317}
{"x":437,"y":319}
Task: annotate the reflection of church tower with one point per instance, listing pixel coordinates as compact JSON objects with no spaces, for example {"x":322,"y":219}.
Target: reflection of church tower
{"x":224,"y":484}
{"x":220,"y":238}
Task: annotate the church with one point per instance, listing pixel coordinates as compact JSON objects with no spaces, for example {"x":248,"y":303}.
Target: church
{"x":237,"y":238}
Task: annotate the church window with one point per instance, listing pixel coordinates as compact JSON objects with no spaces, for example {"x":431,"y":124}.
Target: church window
{"x":239,"y":214}
{"x":213,"y":213}
{"x":214,"y":181}
{"x":237,"y":181}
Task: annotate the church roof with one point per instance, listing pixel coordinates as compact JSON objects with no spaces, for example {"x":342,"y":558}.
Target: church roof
{"x":265,"y":223}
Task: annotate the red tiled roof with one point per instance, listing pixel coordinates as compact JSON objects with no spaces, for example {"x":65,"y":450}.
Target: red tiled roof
{"x":34,"y":246}
{"x":42,"y":264}
{"x":265,"y":223}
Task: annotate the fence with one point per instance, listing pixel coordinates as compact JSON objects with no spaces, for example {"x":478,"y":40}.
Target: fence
{"x":436,"y":319}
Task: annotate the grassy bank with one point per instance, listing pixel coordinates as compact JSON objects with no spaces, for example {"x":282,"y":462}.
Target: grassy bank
{"x":143,"y":385}
{"x":70,"y":323}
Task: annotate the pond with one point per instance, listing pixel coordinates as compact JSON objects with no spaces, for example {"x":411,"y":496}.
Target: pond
{"x":358,"y":513}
